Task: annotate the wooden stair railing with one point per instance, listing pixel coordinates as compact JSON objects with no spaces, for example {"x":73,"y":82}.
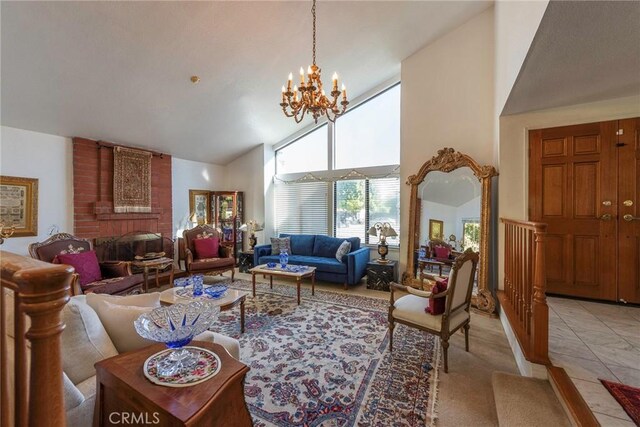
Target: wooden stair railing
{"x":31,"y":387}
{"x":523,"y":299}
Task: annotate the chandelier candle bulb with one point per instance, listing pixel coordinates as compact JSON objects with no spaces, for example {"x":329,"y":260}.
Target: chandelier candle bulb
{"x":289,"y":82}
{"x":335,"y":81}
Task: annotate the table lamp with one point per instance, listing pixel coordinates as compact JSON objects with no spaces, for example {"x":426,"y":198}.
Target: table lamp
{"x":382,"y":230}
{"x":251,"y":226}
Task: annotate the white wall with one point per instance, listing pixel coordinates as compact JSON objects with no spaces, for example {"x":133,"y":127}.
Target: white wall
{"x":189,"y":175}
{"x":514,"y":142}
{"x":447,"y":101}
{"x":46,"y":157}
{"x":445,"y":213}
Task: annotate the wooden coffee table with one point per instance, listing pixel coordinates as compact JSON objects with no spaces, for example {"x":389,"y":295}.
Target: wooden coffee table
{"x":123,"y":390}
{"x":279,"y":272}
{"x":229,"y":300}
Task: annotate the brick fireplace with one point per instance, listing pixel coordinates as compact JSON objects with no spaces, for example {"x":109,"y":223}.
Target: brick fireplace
{"x":93,"y":194}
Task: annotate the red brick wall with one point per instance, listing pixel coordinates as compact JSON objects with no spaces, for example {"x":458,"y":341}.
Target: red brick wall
{"x":93,"y":194}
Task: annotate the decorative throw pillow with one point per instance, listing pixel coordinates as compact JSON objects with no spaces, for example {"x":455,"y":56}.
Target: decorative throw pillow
{"x":279,"y":244}
{"x":437,"y":305}
{"x":207,"y":248}
{"x":151,"y":299}
{"x":345,"y":248}
{"x":442,"y":252}
{"x":86,"y":265}
{"x":118,"y":322}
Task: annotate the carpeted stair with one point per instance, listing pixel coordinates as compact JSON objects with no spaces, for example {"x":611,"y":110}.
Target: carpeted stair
{"x":523,"y":401}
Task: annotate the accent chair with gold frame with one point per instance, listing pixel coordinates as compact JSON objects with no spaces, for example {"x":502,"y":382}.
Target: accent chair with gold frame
{"x":410,"y":309}
{"x":194,"y":265}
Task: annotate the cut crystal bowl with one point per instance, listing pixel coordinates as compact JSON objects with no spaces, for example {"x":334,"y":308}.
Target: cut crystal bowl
{"x":176,"y":325}
{"x":215,"y":291}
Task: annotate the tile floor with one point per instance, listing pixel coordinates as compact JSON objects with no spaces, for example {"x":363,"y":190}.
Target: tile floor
{"x":593,"y":341}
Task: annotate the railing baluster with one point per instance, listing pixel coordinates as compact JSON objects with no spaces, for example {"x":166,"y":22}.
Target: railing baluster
{"x":523,"y":297}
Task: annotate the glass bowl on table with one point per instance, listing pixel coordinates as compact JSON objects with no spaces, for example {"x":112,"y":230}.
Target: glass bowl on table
{"x":175,"y":326}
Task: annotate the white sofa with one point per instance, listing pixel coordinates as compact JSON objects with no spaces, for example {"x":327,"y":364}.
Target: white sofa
{"x":85,"y":341}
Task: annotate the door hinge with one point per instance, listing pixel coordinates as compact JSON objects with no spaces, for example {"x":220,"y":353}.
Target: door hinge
{"x":622,"y":300}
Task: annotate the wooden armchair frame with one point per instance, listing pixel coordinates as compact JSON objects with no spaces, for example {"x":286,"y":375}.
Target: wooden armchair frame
{"x":445,"y":332}
{"x":199,"y":231}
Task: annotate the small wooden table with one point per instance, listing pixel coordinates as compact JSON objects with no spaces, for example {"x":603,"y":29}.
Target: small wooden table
{"x":124,"y":391}
{"x":156,"y":265}
{"x":230,"y":299}
{"x":422,"y":262}
{"x":278,"y":272}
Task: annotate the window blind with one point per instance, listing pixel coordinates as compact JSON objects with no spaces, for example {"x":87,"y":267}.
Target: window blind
{"x":384,"y":205}
{"x":302,"y":208}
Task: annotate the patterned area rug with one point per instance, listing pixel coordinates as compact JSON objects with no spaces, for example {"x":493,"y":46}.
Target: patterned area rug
{"x":628,"y":397}
{"x":326,"y":362}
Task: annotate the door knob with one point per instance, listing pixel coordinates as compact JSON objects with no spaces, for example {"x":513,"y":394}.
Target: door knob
{"x":605,"y":217}
{"x":629,"y":218}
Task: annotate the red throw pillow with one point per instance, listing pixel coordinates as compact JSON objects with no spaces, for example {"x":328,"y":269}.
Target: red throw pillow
{"x":86,"y":265}
{"x":437,"y":305}
{"x":442,"y":252}
{"x":207,"y":248}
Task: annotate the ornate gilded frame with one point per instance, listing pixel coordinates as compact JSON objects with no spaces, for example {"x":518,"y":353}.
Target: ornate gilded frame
{"x":206,"y":195}
{"x":447,"y":160}
{"x":27,"y":204}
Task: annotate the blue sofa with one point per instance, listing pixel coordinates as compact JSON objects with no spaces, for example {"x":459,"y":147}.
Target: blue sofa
{"x":320,"y":252}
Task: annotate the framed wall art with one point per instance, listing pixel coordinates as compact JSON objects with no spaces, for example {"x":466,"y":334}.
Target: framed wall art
{"x":19,"y":205}
{"x":200,"y":205}
{"x":436,"y":229}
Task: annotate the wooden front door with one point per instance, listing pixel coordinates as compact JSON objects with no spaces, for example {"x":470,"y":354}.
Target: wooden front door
{"x":580,"y":177}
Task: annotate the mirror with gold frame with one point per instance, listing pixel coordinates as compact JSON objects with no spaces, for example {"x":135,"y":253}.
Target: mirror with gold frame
{"x":450,"y":197}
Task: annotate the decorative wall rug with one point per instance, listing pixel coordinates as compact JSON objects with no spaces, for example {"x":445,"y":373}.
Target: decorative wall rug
{"x":131,"y":180}
{"x":326,"y":362}
{"x":628,"y":397}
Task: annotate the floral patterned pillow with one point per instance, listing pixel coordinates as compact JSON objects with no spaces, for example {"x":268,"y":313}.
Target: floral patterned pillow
{"x":279,"y":244}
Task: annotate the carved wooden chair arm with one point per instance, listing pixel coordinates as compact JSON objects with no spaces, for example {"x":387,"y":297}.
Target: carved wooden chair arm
{"x":188,"y":256}
{"x":75,"y":285}
{"x":225,"y":252}
{"x":110,"y":269}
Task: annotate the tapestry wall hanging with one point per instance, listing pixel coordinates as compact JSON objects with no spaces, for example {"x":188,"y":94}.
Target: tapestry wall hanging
{"x":131,"y":180}
{"x":19,"y":205}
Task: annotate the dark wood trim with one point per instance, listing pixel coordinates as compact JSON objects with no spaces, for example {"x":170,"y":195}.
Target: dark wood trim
{"x":577,"y":409}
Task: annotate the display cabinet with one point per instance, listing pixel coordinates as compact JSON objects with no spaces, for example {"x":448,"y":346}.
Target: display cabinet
{"x":227,"y":211}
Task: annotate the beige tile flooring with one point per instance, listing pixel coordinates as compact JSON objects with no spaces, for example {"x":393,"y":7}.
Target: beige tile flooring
{"x":593,"y":341}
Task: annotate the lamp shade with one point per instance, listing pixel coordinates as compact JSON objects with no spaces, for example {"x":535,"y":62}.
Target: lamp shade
{"x":389,"y":232}
{"x":243,"y":227}
{"x":373,"y":231}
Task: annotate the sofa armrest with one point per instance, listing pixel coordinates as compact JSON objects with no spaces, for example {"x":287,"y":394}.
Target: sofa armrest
{"x":260,"y":251}
{"x":232,"y":345}
{"x":357,"y":265}
{"x":188,"y":259}
{"x":111,"y":269}
{"x":73,"y":397}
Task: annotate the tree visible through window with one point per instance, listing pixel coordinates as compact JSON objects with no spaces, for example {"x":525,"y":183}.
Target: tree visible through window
{"x":471,"y":234}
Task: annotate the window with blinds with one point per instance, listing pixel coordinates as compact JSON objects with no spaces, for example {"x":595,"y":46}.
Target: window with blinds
{"x":359,"y":204}
{"x":302,"y":208}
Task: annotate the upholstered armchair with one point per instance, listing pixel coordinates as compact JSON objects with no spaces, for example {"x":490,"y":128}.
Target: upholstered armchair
{"x":107,"y":277}
{"x":441,"y":251}
{"x":411,"y":309}
{"x":210,"y":258}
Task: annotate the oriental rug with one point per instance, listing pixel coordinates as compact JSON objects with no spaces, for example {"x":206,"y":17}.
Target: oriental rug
{"x":628,"y":397}
{"x":131,"y":180}
{"x":326,"y":362}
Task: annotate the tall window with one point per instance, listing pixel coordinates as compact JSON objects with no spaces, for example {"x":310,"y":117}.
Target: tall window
{"x":359,"y":204}
{"x":369,"y":135}
{"x":306,"y":154}
{"x":365,"y":138}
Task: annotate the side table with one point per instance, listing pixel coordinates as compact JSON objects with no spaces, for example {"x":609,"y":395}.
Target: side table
{"x":379,"y":275}
{"x":245,"y":261}
{"x":157,"y":265}
{"x":123,"y":390}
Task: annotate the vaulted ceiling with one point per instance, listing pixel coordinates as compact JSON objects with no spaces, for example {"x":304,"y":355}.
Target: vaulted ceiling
{"x":119,"y":71}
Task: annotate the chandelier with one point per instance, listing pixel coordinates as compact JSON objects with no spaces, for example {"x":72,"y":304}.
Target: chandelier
{"x":310,"y":98}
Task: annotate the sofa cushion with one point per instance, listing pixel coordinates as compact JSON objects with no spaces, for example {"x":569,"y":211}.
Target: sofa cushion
{"x":327,"y":265}
{"x":118,"y":321}
{"x":112,"y":286}
{"x":327,"y":247}
{"x":84,"y":341}
{"x":207,"y":248}
{"x":151,"y":299}
{"x":343,"y":249}
{"x":85,"y":264}
{"x":301,"y":244}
